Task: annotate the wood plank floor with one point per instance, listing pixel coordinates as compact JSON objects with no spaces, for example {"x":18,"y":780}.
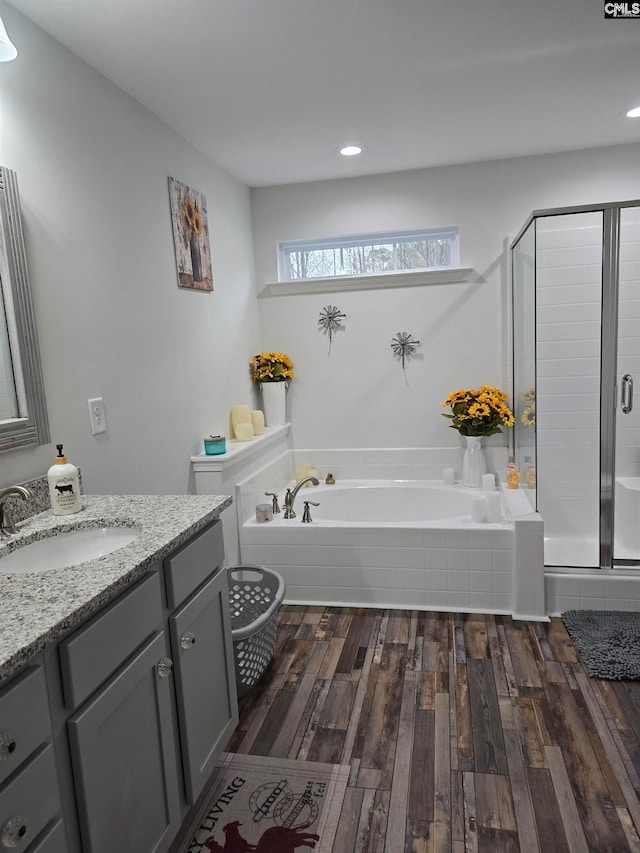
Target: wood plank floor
{"x":463,"y":732}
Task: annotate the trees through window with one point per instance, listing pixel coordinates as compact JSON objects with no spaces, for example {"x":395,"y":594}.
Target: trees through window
{"x":369,"y":255}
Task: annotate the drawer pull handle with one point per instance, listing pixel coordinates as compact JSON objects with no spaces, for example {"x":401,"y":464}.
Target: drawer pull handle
{"x":13,"y":832}
{"x":164,"y":667}
{"x":7,"y":745}
{"x":187,"y":640}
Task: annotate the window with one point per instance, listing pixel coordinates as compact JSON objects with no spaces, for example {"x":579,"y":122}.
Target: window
{"x":370,"y":254}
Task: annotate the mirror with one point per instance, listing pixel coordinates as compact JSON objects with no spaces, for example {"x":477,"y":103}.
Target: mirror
{"x":23,"y":413}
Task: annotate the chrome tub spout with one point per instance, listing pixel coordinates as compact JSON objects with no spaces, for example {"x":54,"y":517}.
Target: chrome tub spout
{"x":290,"y":497}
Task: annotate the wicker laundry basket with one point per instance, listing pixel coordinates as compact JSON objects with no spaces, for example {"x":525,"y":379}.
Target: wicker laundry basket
{"x":255,"y":596}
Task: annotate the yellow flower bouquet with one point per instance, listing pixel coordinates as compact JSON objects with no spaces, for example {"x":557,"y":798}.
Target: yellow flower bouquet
{"x":271,"y":367}
{"x":478,"y":412}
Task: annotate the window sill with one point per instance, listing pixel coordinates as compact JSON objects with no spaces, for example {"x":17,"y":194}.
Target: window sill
{"x":366,"y":282}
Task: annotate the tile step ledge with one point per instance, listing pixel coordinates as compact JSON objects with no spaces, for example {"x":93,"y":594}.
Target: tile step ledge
{"x":239,"y":450}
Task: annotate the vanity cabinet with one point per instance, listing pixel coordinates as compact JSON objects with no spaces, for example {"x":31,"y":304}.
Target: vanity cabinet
{"x":205,"y":680}
{"x":124,"y":760}
{"x":151,"y":684}
{"x":30,"y":804}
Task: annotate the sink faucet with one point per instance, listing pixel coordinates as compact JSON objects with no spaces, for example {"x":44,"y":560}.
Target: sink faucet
{"x":290,"y":497}
{"x":7,"y":527}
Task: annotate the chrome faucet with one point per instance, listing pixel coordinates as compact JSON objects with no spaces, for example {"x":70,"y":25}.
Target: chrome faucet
{"x":7,"y":527}
{"x":275,"y":506}
{"x":306,"y":515}
{"x":290,"y":497}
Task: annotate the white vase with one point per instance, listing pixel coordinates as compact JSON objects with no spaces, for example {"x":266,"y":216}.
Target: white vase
{"x":274,"y":403}
{"x":473,"y":463}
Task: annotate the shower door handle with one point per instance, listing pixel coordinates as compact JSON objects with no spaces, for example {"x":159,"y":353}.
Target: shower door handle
{"x":626,"y":401}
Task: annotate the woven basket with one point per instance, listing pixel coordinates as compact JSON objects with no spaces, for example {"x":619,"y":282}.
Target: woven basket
{"x":255,"y":596}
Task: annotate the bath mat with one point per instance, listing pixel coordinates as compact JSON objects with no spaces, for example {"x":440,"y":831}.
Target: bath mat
{"x":271,"y":805}
{"x":608,"y":642}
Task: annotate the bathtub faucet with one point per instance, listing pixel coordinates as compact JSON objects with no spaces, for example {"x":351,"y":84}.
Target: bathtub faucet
{"x":290,"y":497}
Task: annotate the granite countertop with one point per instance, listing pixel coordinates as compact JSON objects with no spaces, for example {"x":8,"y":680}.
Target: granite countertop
{"x":38,"y":609}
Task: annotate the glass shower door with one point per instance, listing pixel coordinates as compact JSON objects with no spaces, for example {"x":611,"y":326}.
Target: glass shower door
{"x":569,"y":256}
{"x":626,"y":543}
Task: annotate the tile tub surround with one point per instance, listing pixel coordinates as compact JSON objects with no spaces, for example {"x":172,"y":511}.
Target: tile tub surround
{"x":430,"y":569}
{"x":454,"y":565}
{"x":387,"y":463}
{"x":38,"y":609}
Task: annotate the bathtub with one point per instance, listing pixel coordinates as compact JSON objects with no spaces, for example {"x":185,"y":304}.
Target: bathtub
{"x":388,"y":502}
{"x":387,"y":543}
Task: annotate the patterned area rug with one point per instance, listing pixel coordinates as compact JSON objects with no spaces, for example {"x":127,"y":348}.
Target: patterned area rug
{"x":608,"y":642}
{"x":271,"y":805}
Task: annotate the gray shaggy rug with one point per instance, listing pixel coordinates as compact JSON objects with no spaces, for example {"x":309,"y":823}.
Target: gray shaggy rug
{"x":608,"y":642}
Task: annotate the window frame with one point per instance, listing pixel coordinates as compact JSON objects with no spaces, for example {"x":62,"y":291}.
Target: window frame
{"x":287,"y":247}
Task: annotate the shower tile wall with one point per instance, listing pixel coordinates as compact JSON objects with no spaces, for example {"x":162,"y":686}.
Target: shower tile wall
{"x":569,"y":265}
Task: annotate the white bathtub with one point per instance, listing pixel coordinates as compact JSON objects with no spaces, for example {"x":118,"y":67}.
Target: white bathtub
{"x":387,"y":502}
{"x":388,"y":543}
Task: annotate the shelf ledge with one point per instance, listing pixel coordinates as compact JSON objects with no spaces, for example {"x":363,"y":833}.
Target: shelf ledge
{"x":421,"y":278}
{"x":237,"y":450}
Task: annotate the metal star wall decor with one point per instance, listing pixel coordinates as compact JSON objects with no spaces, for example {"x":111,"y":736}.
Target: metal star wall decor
{"x":330,"y":320}
{"x":403,"y":346}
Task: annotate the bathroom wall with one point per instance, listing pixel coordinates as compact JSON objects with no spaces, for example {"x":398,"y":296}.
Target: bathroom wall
{"x":358,"y":396}
{"x":92,"y":166}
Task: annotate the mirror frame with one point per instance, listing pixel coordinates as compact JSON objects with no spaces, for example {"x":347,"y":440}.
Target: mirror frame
{"x":31,"y":427}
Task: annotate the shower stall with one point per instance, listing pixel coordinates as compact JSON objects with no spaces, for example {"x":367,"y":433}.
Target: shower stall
{"x":576,"y":351}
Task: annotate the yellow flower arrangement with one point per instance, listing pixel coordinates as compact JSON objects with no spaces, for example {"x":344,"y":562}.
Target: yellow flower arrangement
{"x":271,"y":367}
{"x":478,"y":412}
{"x":191,"y":215}
{"x":528,"y":417}
{"x":529,"y":394}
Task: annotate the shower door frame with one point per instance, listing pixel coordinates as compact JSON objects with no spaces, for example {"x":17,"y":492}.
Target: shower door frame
{"x":611,"y":213}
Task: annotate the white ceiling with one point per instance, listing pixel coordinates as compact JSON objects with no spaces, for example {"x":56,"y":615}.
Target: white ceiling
{"x":269,"y":88}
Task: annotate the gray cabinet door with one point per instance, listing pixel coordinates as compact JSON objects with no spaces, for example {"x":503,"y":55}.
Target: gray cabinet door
{"x":205,"y":680}
{"x":123,"y":757}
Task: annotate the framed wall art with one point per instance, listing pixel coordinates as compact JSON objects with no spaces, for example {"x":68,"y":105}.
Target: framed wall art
{"x":190,"y":236}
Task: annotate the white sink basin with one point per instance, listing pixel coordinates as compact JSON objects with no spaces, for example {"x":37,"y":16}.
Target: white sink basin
{"x":71,"y":548}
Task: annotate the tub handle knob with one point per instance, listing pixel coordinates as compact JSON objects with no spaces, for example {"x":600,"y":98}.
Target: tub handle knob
{"x":306,"y":515}
{"x":276,"y":505}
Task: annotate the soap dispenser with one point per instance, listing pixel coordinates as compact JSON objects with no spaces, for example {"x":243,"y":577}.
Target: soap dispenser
{"x":64,"y":486}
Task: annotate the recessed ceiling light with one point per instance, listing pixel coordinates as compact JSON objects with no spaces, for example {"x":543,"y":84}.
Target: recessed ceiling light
{"x":633,"y":113}
{"x":350,"y":150}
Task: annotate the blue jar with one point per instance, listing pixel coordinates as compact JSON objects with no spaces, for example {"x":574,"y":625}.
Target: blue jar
{"x":215,"y":445}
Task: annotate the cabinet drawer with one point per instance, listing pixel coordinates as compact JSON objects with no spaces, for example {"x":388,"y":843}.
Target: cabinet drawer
{"x":194,"y":562}
{"x":24,"y":718}
{"x":89,"y":656}
{"x":31,"y":799}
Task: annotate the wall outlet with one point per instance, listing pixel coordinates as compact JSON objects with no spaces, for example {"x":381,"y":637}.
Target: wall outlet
{"x":96,"y":413}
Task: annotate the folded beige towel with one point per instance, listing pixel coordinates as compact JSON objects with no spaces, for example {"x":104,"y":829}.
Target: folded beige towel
{"x":244,"y":432}
{"x":257,"y":418}
{"x":240,"y":415}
